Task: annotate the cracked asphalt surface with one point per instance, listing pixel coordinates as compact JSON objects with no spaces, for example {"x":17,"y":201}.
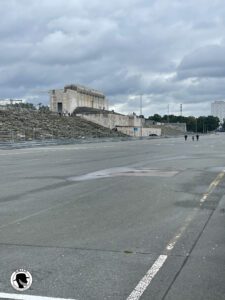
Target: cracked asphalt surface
{"x":97,"y":237}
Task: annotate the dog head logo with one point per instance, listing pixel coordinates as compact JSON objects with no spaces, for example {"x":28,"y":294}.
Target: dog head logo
{"x":21,"y":280}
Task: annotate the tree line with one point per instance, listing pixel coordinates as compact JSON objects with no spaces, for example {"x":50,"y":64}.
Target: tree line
{"x":29,"y":106}
{"x":201,"y":124}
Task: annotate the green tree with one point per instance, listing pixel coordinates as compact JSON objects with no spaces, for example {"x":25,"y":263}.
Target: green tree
{"x":191,"y":123}
{"x":200,"y":124}
{"x":156,"y":118}
{"x":212,"y":123}
{"x":206,"y":124}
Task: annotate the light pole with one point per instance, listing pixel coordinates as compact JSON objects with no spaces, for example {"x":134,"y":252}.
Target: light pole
{"x":140,"y":118}
{"x":168,"y":113}
{"x":141,"y":114}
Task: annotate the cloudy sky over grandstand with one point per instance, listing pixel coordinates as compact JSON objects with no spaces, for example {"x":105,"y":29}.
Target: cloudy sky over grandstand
{"x":171,"y":51}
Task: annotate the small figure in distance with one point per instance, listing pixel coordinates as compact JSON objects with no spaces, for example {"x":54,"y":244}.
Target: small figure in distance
{"x":185,"y":137}
{"x":193,"y":137}
{"x":197,"y":137}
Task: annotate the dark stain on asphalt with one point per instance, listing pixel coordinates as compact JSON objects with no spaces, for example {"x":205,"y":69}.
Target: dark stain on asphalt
{"x":128,"y":252}
{"x":34,"y":191}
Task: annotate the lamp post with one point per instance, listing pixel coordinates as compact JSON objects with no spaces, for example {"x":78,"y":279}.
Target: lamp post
{"x":168,"y":113}
{"x":141,"y":114}
{"x":140,"y":118}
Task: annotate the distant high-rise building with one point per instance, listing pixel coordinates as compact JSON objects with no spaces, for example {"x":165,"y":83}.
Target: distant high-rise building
{"x":218,"y":110}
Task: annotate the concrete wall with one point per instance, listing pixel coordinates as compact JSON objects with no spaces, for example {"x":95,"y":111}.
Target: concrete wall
{"x":130,"y":125}
{"x":111,"y":120}
{"x":138,"y":131}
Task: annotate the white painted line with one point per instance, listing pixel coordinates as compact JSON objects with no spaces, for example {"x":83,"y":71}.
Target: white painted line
{"x":40,"y":150}
{"x":145,"y":281}
{"x":28,"y":297}
{"x":188,"y":220}
{"x":14,"y":153}
{"x":212,"y":186}
{"x":203,"y":198}
{"x":183,"y":228}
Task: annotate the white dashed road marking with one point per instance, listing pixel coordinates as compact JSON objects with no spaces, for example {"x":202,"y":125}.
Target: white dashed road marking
{"x":28,"y":297}
{"x":146,"y":280}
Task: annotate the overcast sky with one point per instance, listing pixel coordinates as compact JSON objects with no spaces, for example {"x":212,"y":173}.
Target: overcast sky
{"x":171,"y":51}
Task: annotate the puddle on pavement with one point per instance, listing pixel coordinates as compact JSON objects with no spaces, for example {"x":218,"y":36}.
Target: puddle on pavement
{"x":116,"y":172}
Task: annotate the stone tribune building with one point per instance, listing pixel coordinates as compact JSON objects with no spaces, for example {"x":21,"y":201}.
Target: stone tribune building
{"x":72,"y":96}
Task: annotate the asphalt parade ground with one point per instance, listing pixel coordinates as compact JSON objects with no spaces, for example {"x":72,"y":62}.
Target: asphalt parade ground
{"x":125,"y":220}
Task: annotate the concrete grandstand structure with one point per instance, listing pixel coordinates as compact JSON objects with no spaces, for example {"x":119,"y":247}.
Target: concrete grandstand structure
{"x":92,"y":106}
{"x":72,"y":96}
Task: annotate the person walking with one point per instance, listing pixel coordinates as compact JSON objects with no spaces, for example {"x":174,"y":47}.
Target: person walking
{"x":197,"y":137}
{"x":193,"y":137}
{"x":185,"y":137}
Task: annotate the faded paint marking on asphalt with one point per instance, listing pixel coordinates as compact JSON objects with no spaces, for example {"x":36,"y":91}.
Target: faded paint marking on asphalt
{"x":146,"y":280}
{"x":123,"y":171}
{"x":28,"y":297}
{"x":39,"y":150}
{"x":17,"y":221}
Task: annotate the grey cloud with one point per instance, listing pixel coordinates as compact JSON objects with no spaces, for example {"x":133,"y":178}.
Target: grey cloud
{"x":12,"y":54}
{"x":121,"y":47}
{"x":119,"y":83}
{"x":205,"y":62}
